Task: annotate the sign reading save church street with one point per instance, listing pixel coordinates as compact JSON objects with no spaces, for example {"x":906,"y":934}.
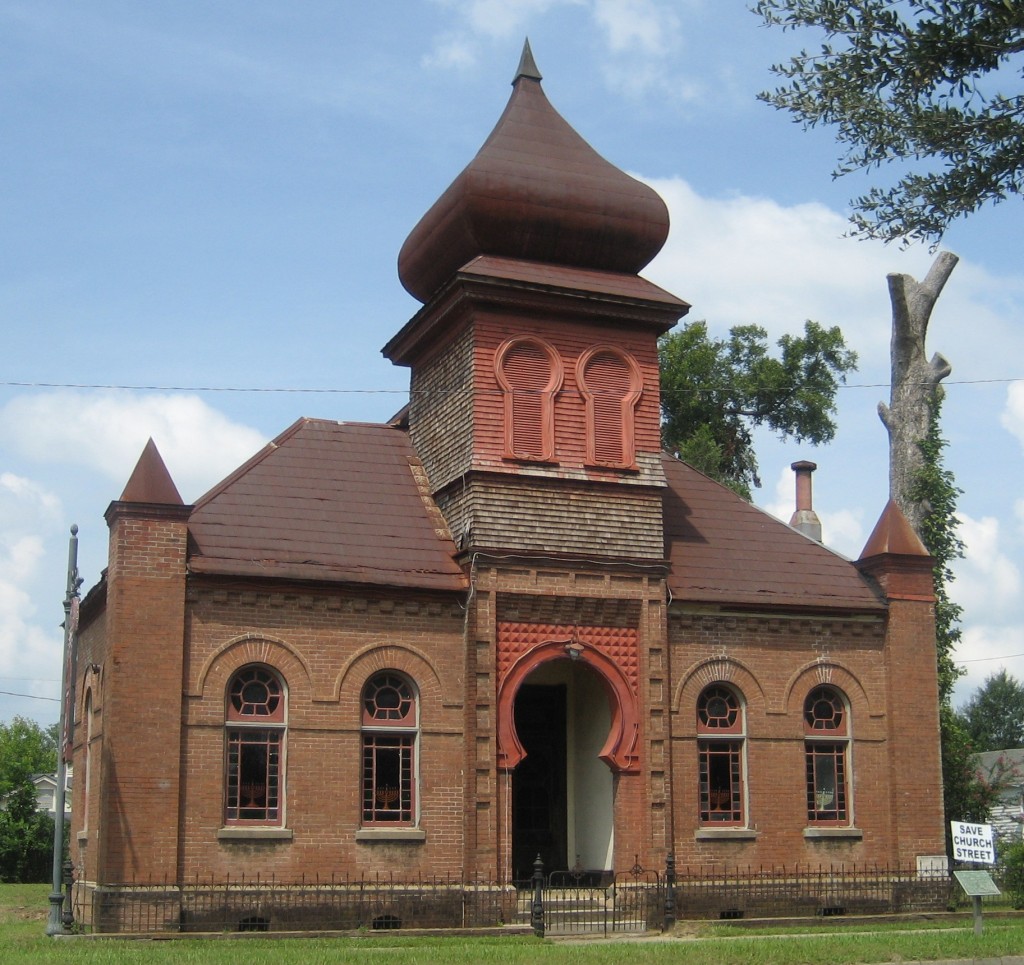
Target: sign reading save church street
{"x":973,"y":842}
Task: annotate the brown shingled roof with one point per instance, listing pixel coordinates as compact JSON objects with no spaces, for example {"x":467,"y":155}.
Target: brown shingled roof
{"x":725,"y":550}
{"x":327,"y":501}
{"x":536,"y":190}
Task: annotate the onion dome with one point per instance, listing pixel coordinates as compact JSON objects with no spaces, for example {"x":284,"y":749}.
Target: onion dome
{"x":535,"y":191}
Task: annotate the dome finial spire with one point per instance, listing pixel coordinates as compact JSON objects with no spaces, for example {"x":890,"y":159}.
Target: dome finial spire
{"x":527,"y":65}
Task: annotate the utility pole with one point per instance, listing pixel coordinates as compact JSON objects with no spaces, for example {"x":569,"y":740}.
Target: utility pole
{"x":58,"y":920}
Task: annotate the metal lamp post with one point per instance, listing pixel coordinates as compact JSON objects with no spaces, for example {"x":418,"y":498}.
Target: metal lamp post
{"x":59,"y":920}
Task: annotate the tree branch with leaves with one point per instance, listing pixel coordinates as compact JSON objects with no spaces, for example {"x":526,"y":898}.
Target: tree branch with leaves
{"x":933,"y":85}
{"x":715,"y":392}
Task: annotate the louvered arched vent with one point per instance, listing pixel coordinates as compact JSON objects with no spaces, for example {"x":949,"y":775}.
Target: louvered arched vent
{"x":530,"y":373}
{"x":611,"y":384}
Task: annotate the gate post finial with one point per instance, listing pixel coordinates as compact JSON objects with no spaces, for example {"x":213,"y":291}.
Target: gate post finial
{"x":537,"y":907}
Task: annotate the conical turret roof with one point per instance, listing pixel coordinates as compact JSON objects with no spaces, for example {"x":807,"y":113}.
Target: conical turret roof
{"x":150,"y":482}
{"x":535,"y":191}
{"x":893,"y":534}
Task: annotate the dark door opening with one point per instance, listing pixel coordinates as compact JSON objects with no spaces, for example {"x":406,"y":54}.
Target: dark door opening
{"x":538,"y":783}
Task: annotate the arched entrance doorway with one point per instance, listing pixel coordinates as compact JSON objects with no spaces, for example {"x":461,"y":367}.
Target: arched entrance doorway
{"x":567,"y":726}
{"x":562,"y":791}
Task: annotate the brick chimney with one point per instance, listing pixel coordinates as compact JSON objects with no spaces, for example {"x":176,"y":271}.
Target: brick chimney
{"x":805,"y":519}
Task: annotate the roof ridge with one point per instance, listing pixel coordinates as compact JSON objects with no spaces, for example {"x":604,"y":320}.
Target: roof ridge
{"x":252,"y":461}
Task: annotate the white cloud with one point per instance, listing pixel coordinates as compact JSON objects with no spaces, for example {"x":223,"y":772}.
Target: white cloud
{"x":106,"y":432}
{"x":499,"y":18}
{"x":1012,"y":418}
{"x":639,"y":38}
{"x":988,"y":587}
{"x":27,"y":651}
{"x":740,"y":259}
{"x":452,"y":52}
{"x":638,"y":26}
{"x":90,"y":441}
{"x":28,"y":514}
{"x":491,"y":19}
{"x":987,"y":580}
{"x":24,"y":502}
{"x":983,"y":651}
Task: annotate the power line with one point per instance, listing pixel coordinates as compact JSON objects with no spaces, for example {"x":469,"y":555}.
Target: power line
{"x":8,"y":693}
{"x":1008,"y":656}
{"x":293,"y":390}
{"x":199,"y":388}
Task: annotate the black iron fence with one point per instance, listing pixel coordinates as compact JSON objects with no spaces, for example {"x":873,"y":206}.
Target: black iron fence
{"x":808,"y":892}
{"x":561,"y":902}
{"x":589,"y":902}
{"x":269,"y":904}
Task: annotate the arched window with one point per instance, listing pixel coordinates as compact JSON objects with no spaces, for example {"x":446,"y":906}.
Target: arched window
{"x":720,"y":756}
{"x":827,"y":752}
{"x":87,"y":783}
{"x":390,"y":728}
{"x":255,"y":732}
{"x":611,"y":384}
{"x":529,"y":372}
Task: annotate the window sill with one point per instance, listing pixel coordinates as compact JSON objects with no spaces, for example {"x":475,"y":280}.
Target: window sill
{"x":816,"y":833}
{"x":726,"y":834}
{"x":242,"y":833}
{"x":391,"y":834}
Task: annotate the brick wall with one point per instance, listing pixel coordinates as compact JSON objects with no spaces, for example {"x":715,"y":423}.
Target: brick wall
{"x":325,"y":644}
{"x":142,"y":677}
{"x":774,"y":662}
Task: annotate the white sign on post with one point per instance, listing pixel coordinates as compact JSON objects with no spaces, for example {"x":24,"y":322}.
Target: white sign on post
{"x":973,"y":842}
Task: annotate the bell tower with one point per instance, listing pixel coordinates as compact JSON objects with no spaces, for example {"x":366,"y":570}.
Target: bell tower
{"x":534,"y":391}
{"x":534,"y":407}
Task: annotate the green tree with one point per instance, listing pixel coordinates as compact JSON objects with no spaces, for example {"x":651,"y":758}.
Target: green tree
{"x":26,"y":834}
{"x":932,"y":86}
{"x":994,"y":716}
{"x":967,"y":797}
{"x":715,"y":392}
{"x":934,"y":488}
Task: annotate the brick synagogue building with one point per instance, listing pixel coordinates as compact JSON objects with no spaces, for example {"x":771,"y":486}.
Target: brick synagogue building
{"x":506,"y":623}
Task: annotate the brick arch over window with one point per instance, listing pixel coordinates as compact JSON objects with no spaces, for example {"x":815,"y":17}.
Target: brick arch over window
{"x":529,"y":372}
{"x":620,"y":751}
{"x":252,"y":648}
{"x":727,"y":670}
{"x":806,"y":678}
{"x":413,"y":663}
{"x":91,"y":685}
{"x":611,"y":384}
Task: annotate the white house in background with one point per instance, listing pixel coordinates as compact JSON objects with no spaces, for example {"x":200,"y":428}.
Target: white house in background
{"x":46,"y":793}
{"x":1006,"y":767}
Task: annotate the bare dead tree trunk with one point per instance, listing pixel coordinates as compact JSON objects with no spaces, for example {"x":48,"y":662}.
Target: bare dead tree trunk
{"x":915,"y":380}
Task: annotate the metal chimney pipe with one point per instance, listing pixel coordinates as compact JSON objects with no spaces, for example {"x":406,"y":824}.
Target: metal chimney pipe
{"x":805,"y":519}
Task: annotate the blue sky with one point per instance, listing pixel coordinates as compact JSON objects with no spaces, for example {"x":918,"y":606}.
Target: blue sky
{"x":207,"y":196}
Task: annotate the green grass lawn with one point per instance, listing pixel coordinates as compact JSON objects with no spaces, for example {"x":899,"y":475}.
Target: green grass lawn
{"x":24,"y":910}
